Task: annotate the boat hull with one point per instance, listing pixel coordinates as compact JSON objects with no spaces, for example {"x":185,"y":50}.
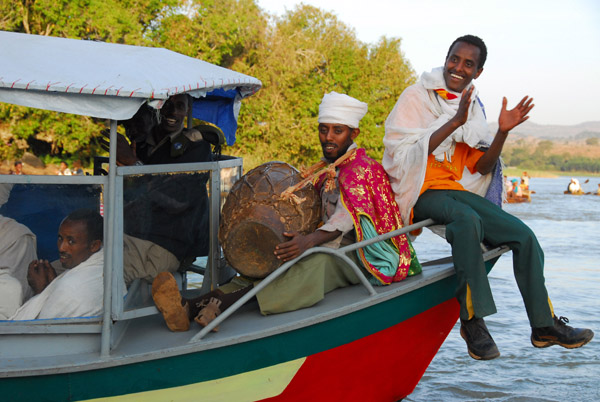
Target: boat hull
{"x":378,"y":353}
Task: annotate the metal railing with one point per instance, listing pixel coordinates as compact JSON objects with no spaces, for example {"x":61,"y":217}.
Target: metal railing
{"x":339,"y":253}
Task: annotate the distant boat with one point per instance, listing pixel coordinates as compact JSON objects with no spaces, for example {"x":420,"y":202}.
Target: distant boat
{"x":515,"y":199}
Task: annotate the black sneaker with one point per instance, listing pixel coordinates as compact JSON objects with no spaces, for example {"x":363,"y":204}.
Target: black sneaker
{"x":480,"y":344}
{"x":561,"y":334}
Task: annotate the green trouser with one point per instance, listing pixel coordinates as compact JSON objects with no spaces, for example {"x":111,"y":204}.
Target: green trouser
{"x":471,"y":219}
{"x":303,"y":284}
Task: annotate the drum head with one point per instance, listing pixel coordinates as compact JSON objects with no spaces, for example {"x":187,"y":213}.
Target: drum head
{"x":255,"y":216}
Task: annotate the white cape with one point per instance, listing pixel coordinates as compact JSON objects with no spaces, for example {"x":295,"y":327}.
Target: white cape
{"x":77,"y":292}
{"x":17,"y":250}
{"x":418,"y":113}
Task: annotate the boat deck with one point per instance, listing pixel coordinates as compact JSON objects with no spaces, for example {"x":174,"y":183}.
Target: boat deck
{"x":142,"y":338}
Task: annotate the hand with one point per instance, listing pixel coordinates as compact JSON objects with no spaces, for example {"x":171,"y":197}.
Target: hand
{"x":462,"y":114}
{"x":39,"y":275}
{"x":509,"y":119}
{"x":292,"y":248}
{"x":126,"y":152}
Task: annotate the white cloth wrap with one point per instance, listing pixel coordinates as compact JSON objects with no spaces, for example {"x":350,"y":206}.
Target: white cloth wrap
{"x":5,"y":192}
{"x":336,"y":108}
{"x":77,"y":292}
{"x":574,"y":186}
{"x":17,"y":250}
{"x":418,"y":113}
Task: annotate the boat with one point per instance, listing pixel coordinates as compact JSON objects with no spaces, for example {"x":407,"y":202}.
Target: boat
{"x":360,"y":343}
{"x":515,"y":199}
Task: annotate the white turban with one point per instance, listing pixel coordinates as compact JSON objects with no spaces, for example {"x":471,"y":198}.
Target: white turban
{"x":341,"y":109}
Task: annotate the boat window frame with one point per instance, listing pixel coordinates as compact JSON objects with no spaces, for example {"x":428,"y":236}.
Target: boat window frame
{"x":112,"y":192}
{"x":214,"y":170}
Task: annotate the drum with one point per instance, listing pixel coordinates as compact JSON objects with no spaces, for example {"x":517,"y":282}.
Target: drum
{"x":255,"y":215}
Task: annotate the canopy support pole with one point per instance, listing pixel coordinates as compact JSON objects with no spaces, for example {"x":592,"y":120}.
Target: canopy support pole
{"x":109,"y":235}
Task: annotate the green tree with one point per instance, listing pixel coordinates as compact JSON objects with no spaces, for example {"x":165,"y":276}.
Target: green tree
{"x":544,"y":146}
{"x":222,"y":32}
{"x":117,"y":21}
{"x":310,"y":52}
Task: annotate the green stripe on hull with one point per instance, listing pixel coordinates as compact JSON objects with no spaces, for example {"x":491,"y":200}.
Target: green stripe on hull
{"x":227,"y":361}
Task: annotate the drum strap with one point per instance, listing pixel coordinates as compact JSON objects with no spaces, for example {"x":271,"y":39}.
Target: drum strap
{"x":313,"y":173}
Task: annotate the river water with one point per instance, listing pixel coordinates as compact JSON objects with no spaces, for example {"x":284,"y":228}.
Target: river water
{"x":567,"y":227}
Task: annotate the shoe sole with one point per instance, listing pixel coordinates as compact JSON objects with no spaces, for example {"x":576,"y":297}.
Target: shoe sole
{"x":547,"y":344}
{"x":167,"y":298}
{"x":473,"y":355}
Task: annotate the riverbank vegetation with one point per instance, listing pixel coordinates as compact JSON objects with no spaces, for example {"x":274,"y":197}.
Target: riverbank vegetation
{"x":559,"y":157}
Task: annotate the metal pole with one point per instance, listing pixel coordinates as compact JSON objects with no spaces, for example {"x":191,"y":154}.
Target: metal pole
{"x":109,"y":216}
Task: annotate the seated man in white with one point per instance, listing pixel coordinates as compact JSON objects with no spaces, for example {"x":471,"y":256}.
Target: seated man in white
{"x":17,"y":249}
{"x":78,"y":291}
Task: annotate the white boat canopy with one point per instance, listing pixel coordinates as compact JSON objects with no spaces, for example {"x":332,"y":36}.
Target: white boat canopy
{"x":106,"y":80}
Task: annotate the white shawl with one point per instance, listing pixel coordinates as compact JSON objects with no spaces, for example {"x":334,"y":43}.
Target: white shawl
{"x":77,"y":292}
{"x":418,"y":113}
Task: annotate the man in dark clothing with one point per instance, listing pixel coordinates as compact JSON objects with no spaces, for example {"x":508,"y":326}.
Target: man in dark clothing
{"x":165,"y":210}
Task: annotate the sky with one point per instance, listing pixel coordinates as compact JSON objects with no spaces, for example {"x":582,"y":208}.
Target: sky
{"x":547,"y":49}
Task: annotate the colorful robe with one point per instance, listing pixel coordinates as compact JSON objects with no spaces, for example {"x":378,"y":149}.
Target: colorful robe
{"x":366,"y":193}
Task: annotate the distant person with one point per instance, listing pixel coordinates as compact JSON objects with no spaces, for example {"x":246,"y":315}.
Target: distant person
{"x":574,"y":187}
{"x":78,"y":291}
{"x":18,"y":166}
{"x":63,"y":169}
{"x":77,"y":169}
{"x":516,"y":189}
{"x":598,"y":191}
{"x":507,"y":184}
{"x":436,"y":140}
{"x":525,"y":181}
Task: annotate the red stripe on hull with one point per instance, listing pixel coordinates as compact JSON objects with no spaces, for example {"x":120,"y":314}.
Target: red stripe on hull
{"x":385,"y":366}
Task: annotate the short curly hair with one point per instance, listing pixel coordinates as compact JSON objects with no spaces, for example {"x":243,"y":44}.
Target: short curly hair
{"x":93,"y":221}
{"x":475,"y":41}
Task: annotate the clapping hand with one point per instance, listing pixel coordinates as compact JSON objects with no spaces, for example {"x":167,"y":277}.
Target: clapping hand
{"x":509,"y":119}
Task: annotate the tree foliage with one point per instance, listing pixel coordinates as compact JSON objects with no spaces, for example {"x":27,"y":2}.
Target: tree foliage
{"x":309,"y":52}
{"x":117,"y":21}
{"x":298,"y":57}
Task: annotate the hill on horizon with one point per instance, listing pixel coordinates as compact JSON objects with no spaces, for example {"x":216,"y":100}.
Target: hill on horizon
{"x":555,"y":132}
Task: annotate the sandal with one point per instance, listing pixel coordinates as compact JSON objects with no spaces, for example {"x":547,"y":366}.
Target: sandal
{"x":209,"y":312}
{"x":167,"y":298}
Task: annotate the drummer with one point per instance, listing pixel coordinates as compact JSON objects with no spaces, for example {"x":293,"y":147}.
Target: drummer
{"x":304,"y":284}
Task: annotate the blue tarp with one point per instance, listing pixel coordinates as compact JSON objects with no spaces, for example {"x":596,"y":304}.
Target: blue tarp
{"x":42,"y":207}
{"x":217,"y":108}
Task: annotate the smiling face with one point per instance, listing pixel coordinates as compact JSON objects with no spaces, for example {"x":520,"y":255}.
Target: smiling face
{"x":173,"y":113}
{"x":73,"y":244}
{"x":461,"y":66}
{"x":336,"y":139}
